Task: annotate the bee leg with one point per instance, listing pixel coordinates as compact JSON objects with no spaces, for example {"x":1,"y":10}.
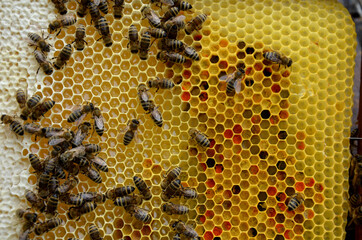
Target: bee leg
{"x":85,"y":42}
{"x":58,"y":33}
{"x":99,"y":38}
{"x":37,"y":71}
{"x":158,"y":88}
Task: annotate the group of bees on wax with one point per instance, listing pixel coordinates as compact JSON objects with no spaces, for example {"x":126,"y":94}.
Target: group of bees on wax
{"x":166,"y":28}
{"x":355,"y":180}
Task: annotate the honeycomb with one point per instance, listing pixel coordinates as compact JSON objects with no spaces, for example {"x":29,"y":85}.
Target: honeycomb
{"x":286,"y":132}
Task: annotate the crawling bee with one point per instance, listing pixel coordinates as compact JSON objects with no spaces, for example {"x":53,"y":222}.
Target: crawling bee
{"x":142,"y":187}
{"x":188,"y":193}
{"x":43,"y":63}
{"x":172,"y":12}
{"x":133,"y":39}
{"x":278,"y":58}
{"x":39,"y":42}
{"x":144,"y":96}
{"x":64,"y":21}
{"x":92,"y":148}
{"x":36,"y":202}
{"x":94,"y":233}
{"x":195,"y":23}
{"x":296,"y":200}
{"x":98,"y":121}
{"x":163,"y":83}
{"x":60,"y":6}
{"x":68,"y":185}
{"x":160,"y":2}
{"x":104,"y":31}
{"x":139,"y":213}
{"x":199,"y":137}
{"x":27,"y":215}
{"x":180,"y":227}
{"x":171,"y":190}
{"x":71,"y":154}
{"x":55,"y":140}
{"x":173,"y":26}
{"x":81,"y":134}
{"x":119,"y":192}
{"x":44,"y":227}
{"x":155,"y":114}
{"x":182,"y":5}
{"x":190,"y":52}
{"x":144,"y":45}
{"x":36,"y":163}
{"x":174,"y":45}
{"x":53,"y":184}
{"x":92,"y":174}
{"x":21,"y":97}
{"x":93,"y":197}
{"x":41,"y":109}
{"x":79,"y":37}
{"x":128,"y":200}
{"x":98,"y":162}
{"x":15,"y":126}
{"x":58,"y":171}
{"x":171,"y":175}
{"x":72,"y":199}
{"x":80,"y":113}
{"x":118,"y":8}
{"x":30,"y":104}
{"x":77,"y":212}
{"x":94,"y":12}
{"x":233,"y":81}
{"x":52,"y":205}
{"x":63,"y":56}
{"x":173,"y":57}
{"x":44,"y":178}
{"x":103,"y":6}
{"x":151,"y":16}
{"x":52,"y":131}
{"x":83,"y":8}
{"x":131,"y":132}
{"x":157,"y":32}
{"x":171,"y":208}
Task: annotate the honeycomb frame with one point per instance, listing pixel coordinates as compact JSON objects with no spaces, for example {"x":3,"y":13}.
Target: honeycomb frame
{"x":256,"y":156}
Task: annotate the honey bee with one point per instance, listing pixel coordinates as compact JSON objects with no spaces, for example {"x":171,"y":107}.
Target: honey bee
{"x":30,"y":104}
{"x":180,"y":227}
{"x":68,"y":185}
{"x":131,"y":131}
{"x":182,"y":5}
{"x":171,"y":175}
{"x":104,"y":31}
{"x":171,"y":190}
{"x":92,"y":148}
{"x":98,"y":121}
{"x":93,"y":197}
{"x":190,"y":52}
{"x":173,"y":26}
{"x":102,"y":5}
{"x":119,"y":192}
{"x":57,"y":139}
{"x":52,"y":205}
{"x":47,"y":226}
{"x":355,"y":200}
{"x":144,"y":45}
{"x":118,"y":9}
{"x":41,"y":109}
{"x":173,"y":57}
{"x":189,"y":193}
{"x":94,"y":233}
{"x":94,"y":12}
{"x":69,"y":155}
{"x":142,"y":187}
{"x":133,"y":39}
{"x":160,"y":2}
{"x":43,"y":63}
{"x":36,"y":202}
{"x":157,"y":32}
{"x":60,"y":6}
{"x":80,"y":113}
{"x":44,"y":179}
{"x":144,"y":96}
{"x":15,"y":126}
{"x":151,"y":16}
{"x":82,"y":8}
{"x":278,"y":58}
{"x":92,"y":174}
{"x":72,"y":199}
{"x":27,"y":215}
{"x":21,"y":97}
{"x":139,"y":213}
{"x":79,"y":37}
{"x":296,"y":200}
{"x":357,"y":176}
{"x":53,"y":184}
{"x":39,"y":42}
{"x":81,"y":161}
{"x":233,"y":81}
{"x":172,"y":12}
{"x":63,"y":56}
{"x":160,"y":83}
{"x":64,"y":21}
{"x":199,"y":137}
{"x":356,"y":216}
{"x":33,"y":128}
{"x":77,"y":212}
{"x":98,"y":162}
{"x":174,"y":45}
{"x":52,"y":131}
{"x":195,"y":23}
{"x":155,"y":114}
{"x":81,"y":134}
{"x":36,"y":163}
{"x":171,"y":208}
{"x":128,"y":200}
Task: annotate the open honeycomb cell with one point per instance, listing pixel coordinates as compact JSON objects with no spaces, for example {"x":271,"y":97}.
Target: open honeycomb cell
{"x":285,"y":132}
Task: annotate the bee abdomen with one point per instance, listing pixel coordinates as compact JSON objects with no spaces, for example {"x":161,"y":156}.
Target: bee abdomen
{"x":145,"y":105}
{"x":230,"y":87}
{"x":33,"y":101}
{"x":167,"y":84}
{"x":35,"y":162}
{"x":128,"y":137}
{"x":99,"y":131}
{"x":74,"y":116}
{"x":203,"y":141}
{"x":17,"y":128}
{"x":159,"y":123}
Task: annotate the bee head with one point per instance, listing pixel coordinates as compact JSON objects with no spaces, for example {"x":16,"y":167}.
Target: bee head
{"x":290,"y":61}
{"x":175,"y":224}
{"x":135,"y":121}
{"x":164,"y":207}
{"x":149,"y":83}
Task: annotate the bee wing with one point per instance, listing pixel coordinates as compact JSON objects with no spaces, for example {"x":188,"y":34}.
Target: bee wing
{"x":156,"y":114}
{"x":168,"y":2}
{"x":99,"y":122}
{"x":81,"y":119}
{"x":237,"y":85}
{"x":55,"y":141}
{"x":226,"y":77}
{"x":96,"y":2}
{"x":120,"y":134}
{"x":179,"y":18}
